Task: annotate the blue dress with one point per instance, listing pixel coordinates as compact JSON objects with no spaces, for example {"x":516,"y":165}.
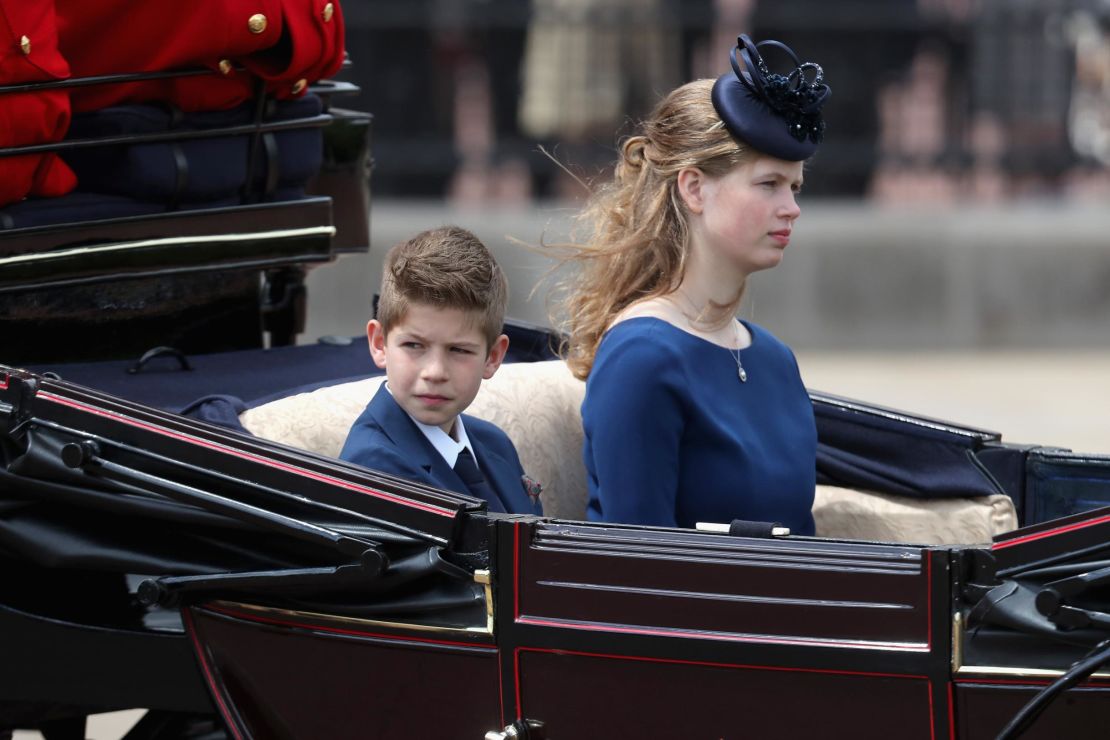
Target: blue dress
{"x":672,"y":437}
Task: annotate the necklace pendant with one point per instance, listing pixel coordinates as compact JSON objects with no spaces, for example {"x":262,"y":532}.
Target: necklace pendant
{"x":742,"y":374}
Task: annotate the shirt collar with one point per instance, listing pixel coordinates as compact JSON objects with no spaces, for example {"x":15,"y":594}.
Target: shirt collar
{"x":445,"y":445}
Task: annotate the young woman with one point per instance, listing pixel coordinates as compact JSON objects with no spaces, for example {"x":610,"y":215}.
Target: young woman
{"x":691,"y":415}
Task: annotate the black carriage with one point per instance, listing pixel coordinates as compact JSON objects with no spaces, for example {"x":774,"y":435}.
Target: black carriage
{"x":154,"y":561}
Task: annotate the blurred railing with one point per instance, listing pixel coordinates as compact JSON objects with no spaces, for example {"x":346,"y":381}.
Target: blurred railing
{"x":936,"y":100}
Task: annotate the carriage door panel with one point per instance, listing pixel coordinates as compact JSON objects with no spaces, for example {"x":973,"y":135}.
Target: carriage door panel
{"x":279,"y":675}
{"x":635,"y":632}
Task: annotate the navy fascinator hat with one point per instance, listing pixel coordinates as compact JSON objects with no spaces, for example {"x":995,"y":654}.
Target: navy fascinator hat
{"x":776,"y":114}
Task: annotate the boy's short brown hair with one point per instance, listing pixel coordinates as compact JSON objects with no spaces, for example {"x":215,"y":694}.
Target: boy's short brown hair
{"x":447,"y":267}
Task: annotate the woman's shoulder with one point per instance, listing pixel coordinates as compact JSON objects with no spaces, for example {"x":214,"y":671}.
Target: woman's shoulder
{"x":763,"y":335}
{"x":650,"y":308}
{"x":766,"y":342}
{"x":644,"y":333}
{"x":639,"y":347}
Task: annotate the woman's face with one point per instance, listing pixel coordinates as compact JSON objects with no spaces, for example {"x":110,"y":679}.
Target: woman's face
{"x":746,"y":216}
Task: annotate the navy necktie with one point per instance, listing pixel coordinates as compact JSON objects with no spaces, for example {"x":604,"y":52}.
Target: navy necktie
{"x":471,"y":474}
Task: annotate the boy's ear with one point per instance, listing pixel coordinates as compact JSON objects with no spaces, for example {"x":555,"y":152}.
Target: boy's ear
{"x":691,"y":182}
{"x":496,"y":356}
{"x":375,"y":333}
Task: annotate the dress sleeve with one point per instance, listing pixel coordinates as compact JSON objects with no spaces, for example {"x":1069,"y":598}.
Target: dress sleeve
{"x":633,"y":421}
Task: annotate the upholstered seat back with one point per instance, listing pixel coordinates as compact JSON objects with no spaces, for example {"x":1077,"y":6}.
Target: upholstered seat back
{"x":538,"y":406}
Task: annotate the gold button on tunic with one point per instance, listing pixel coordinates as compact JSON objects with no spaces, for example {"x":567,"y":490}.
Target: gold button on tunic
{"x":257,"y":23}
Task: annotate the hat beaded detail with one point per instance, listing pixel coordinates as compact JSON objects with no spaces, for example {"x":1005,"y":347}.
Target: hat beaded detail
{"x":777,"y":114}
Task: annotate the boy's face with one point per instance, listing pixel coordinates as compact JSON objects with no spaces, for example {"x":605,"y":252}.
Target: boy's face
{"x":435,"y":360}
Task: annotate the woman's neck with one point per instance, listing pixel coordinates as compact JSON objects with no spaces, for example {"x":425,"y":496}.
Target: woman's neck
{"x":710,"y":291}
{"x":714,"y":322}
{"x":704,"y":303}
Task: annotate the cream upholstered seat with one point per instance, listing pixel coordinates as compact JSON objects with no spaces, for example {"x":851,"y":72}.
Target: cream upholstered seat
{"x":538,"y":406}
{"x":845,"y":513}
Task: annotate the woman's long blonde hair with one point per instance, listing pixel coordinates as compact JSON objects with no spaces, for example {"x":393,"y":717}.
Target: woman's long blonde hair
{"x":636,"y":226}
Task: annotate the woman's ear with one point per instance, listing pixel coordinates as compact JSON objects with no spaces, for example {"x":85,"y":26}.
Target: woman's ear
{"x":691,"y":182}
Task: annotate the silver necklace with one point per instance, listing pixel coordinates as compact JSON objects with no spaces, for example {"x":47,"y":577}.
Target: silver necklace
{"x":740,"y":371}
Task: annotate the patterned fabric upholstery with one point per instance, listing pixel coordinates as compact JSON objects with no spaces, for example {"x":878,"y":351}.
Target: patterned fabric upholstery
{"x":317,"y":421}
{"x":845,"y":513}
{"x":537,"y":404}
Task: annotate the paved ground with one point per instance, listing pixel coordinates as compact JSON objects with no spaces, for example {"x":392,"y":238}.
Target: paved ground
{"x":1034,"y":275}
{"x":1060,"y":399}
{"x":1050,"y":398}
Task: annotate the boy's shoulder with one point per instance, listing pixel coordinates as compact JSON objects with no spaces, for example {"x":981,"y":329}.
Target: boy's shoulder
{"x":367,"y":444}
{"x":487,"y":434}
{"x":370,"y":441}
{"x":382,"y":456}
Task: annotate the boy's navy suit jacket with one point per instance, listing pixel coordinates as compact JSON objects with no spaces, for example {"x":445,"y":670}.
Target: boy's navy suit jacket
{"x":385,"y":438}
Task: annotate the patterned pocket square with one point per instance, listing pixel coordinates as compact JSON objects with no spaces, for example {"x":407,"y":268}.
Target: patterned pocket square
{"x":532,"y":487}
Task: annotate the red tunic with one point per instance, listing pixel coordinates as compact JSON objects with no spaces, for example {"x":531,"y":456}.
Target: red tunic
{"x":29,"y":53}
{"x":287,"y":44}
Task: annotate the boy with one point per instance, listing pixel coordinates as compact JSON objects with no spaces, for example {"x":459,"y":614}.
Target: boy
{"x":438,"y":335}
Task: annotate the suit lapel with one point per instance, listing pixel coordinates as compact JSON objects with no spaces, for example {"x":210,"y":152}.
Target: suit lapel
{"x":403,"y":433}
{"x":505,"y":481}
{"x":502,"y":468}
